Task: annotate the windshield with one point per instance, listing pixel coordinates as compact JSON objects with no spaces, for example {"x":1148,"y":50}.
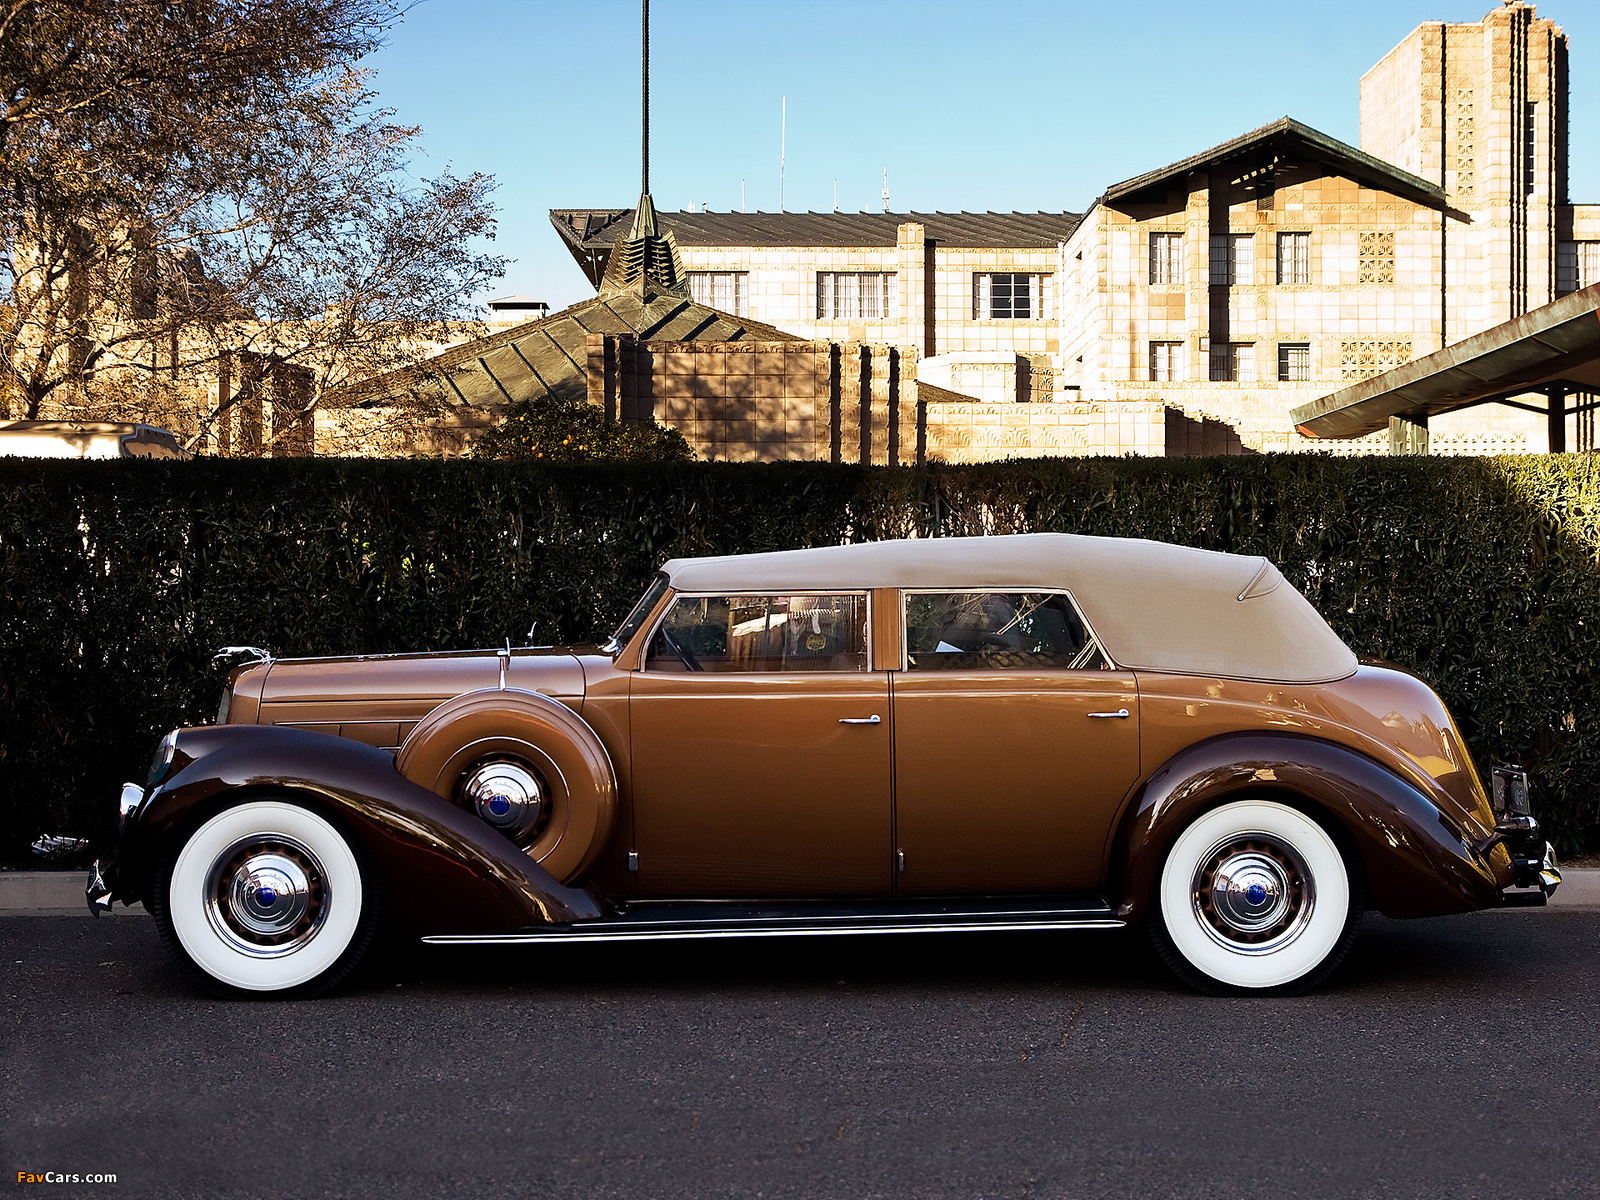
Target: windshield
{"x":641,"y":610}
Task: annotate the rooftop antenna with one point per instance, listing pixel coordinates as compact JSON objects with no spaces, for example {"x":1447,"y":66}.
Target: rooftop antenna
{"x":783,"y":149}
{"x":836,"y":194}
{"x":741,"y":195}
{"x":886,"y":189}
{"x":644,"y":104}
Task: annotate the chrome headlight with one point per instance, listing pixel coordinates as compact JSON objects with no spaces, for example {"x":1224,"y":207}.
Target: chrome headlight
{"x":163,"y":759}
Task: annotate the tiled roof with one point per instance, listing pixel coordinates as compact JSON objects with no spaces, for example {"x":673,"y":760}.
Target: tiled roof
{"x":549,"y":357}
{"x":600,"y":227}
{"x":1288,"y":138}
{"x":590,"y":232}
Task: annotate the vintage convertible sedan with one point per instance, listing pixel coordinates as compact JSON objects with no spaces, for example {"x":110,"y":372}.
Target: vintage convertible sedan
{"x":1033,"y":732}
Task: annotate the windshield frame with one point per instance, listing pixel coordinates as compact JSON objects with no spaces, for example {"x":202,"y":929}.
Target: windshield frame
{"x":634,"y":621}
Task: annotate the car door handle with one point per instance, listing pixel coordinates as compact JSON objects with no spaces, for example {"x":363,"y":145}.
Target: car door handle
{"x":1117,"y":716}
{"x":874,"y":719}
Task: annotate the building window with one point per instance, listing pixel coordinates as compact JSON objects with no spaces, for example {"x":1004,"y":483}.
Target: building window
{"x":1294,"y":361}
{"x":1166,"y":362}
{"x":726,"y":291}
{"x":853,"y":295}
{"x":1294,"y":258}
{"x":1233,"y":259}
{"x":1009,"y":297}
{"x":1166,"y":258}
{"x":1375,"y":257}
{"x":1577,"y":266}
{"x":1233,"y":362}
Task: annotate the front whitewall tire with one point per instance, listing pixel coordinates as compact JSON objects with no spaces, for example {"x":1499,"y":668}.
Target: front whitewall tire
{"x":1290,"y":904}
{"x":218,"y":926}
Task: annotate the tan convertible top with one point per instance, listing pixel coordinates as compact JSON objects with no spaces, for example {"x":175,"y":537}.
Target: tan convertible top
{"x":1155,"y":606}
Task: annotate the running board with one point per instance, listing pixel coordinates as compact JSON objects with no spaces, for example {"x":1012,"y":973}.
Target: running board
{"x":661,"y":921}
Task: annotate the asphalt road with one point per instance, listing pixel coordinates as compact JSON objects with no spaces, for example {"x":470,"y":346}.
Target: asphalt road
{"x":1453,"y":1057}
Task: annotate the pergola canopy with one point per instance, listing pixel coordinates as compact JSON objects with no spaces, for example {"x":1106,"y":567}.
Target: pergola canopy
{"x":1555,"y":349}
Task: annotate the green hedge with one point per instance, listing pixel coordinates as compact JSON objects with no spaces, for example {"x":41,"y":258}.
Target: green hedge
{"x":118,"y":580}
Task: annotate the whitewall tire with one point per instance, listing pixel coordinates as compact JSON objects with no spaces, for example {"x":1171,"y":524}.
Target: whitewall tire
{"x":268,"y":897}
{"x":1255,"y":896}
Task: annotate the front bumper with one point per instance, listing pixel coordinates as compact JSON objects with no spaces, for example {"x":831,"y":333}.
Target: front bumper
{"x":100,"y":890}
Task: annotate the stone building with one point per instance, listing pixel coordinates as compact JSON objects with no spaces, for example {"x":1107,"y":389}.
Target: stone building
{"x":1229,"y":287}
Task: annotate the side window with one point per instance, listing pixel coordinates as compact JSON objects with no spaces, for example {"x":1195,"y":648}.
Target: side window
{"x":996,"y":631}
{"x":762,"y":633}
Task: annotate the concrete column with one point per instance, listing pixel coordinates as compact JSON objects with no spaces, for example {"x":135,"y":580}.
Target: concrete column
{"x":1197,"y":273}
{"x":594,"y":375}
{"x":911,"y":283}
{"x":855,"y":399}
{"x":1408,"y":434}
{"x":1558,"y":419}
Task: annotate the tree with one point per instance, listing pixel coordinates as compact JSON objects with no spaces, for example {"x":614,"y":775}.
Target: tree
{"x":574,"y":430}
{"x":205,"y":190}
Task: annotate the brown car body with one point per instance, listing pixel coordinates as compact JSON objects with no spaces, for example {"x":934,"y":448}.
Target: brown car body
{"x":880,"y":789}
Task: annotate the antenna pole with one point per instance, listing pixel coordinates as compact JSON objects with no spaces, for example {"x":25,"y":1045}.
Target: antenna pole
{"x":783,"y":149}
{"x":644,"y":104}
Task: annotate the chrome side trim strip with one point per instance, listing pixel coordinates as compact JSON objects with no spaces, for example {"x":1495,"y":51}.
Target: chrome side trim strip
{"x":651,"y":935}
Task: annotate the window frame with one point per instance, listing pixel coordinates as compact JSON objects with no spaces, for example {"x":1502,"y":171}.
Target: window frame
{"x":1091,"y":642}
{"x":1284,"y":236}
{"x":741,"y":297}
{"x":1174,"y":263}
{"x":1175,"y":360}
{"x":1237,"y":354}
{"x":1225,"y":249}
{"x":673,"y":597}
{"x":1037,"y":288}
{"x":887,"y":295}
{"x":1283,"y":362}
{"x":1572,"y":255}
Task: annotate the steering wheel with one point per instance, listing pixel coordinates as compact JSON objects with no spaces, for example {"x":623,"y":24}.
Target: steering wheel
{"x":687,"y":659}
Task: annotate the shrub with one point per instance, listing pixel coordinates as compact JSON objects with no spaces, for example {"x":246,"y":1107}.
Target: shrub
{"x":572,"y":431}
{"x":118,"y":580}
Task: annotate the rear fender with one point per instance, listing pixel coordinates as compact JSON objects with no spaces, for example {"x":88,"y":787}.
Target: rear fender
{"x":441,"y":869}
{"x":1418,"y":861}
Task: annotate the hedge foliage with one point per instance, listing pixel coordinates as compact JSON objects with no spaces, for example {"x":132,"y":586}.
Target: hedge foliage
{"x":118,"y":580}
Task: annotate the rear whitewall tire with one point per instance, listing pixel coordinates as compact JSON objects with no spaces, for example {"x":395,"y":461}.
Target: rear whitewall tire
{"x":1255,"y":896}
{"x":211,"y":903}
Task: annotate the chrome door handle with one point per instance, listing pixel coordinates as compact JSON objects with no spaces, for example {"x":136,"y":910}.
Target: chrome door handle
{"x":874,"y":719}
{"x":1118,"y":715}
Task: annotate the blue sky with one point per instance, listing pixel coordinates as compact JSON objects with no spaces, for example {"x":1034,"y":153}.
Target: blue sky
{"x":1010,"y":104}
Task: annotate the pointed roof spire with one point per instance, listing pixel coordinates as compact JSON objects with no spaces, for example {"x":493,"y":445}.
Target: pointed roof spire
{"x":646,"y":261}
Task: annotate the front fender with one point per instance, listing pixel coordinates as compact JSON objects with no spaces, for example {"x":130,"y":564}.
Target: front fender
{"x":1418,"y":861}
{"x":441,"y":869}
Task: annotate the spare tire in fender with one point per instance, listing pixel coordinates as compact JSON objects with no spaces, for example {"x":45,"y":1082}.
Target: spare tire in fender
{"x":547,"y":736}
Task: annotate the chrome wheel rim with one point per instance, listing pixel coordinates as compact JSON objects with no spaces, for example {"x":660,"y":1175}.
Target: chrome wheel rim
{"x":267,"y":895}
{"x":506,"y":794}
{"x":1253,"y":893}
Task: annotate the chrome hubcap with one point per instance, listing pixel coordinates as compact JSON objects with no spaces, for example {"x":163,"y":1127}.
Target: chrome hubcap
{"x":1253,"y":894}
{"x":506,"y":795}
{"x":267,"y":895}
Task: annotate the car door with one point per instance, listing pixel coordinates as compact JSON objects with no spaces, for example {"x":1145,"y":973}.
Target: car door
{"x":1015,"y":744}
{"x":760,"y":749}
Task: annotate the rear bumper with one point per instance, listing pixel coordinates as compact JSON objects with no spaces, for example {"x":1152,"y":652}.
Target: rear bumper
{"x":1537,"y":874}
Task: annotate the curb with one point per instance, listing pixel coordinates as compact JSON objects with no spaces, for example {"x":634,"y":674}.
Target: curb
{"x":60,"y":894}
{"x":50,"y":894}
